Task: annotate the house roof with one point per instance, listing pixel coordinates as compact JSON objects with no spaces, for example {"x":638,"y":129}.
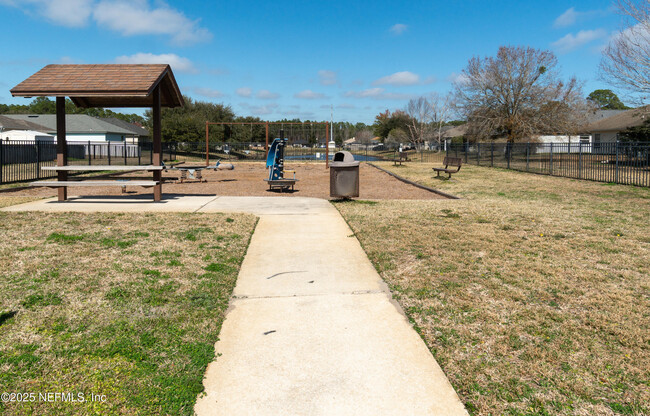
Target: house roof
{"x":456,"y":131}
{"x":597,"y":115}
{"x":74,"y":123}
{"x":108,"y":85}
{"x":621,"y":121}
{"x":8,"y":123}
{"x":134,"y":128}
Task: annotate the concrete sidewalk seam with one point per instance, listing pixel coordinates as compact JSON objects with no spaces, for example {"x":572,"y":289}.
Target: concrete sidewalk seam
{"x":353,"y":293}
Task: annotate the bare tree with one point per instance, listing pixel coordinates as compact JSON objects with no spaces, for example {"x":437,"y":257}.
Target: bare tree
{"x":364,"y":136}
{"x":420,"y":112}
{"x":626,"y":60}
{"x":441,"y":112}
{"x":517,"y":94}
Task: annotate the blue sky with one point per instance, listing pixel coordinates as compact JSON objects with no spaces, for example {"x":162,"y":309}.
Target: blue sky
{"x":296,"y":59}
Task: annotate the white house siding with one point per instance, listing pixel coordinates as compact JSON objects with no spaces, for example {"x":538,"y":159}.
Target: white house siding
{"x":99,"y":137}
{"x":564,"y":144}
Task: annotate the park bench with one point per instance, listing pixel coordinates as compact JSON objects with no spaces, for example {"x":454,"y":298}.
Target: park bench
{"x":402,"y":157}
{"x":449,"y":161}
{"x":90,"y":182}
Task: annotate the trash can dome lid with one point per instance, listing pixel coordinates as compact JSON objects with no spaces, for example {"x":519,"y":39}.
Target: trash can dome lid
{"x":343,"y":156}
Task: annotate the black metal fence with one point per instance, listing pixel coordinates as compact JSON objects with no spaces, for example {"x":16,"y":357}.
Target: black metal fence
{"x":622,"y":163}
{"x":22,"y":161}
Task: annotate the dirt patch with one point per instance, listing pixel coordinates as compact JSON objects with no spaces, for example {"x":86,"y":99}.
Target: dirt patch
{"x":247,"y":179}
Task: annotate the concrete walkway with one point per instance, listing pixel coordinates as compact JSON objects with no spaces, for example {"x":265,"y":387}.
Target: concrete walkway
{"x":312,"y":328}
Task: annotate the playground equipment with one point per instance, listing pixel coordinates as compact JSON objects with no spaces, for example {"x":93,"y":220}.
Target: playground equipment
{"x":275,"y":165}
{"x":194,"y":172}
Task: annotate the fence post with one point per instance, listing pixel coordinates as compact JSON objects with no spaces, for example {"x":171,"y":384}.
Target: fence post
{"x":466,"y":150}
{"x":508,"y":151}
{"x":139,"y":150}
{"x":38,"y":159}
{"x":2,"y":161}
{"x":109,"y":152}
{"x":580,"y":159}
{"x":527,"y":156}
{"x":616,"y":172}
{"x":550,"y":166}
{"x":150,"y":156}
{"x":125,"y":162}
{"x":478,"y":154}
{"x":88,"y":150}
{"x":492,"y":155}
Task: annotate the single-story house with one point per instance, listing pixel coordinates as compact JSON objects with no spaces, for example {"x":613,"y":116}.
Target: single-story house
{"x":81,"y":127}
{"x":607,"y":130}
{"x":11,"y":129}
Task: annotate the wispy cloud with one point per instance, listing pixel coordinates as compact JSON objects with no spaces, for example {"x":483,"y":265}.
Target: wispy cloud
{"x":178,"y":63}
{"x":398,"y":29}
{"x":244,"y":92}
{"x":127,"y":17}
{"x":571,"y":42}
{"x":261,"y":110}
{"x":309,"y":95}
{"x":571,"y":16}
{"x":403,"y":78}
{"x":266,"y":95}
{"x":457,"y":78}
{"x":327,"y":77}
{"x":208,"y":92}
{"x":567,"y":18}
{"x":377,"y":94}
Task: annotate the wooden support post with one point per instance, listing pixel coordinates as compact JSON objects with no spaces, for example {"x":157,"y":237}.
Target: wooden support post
{"x":157,"y":144}
{"x":61,"y":147}
{"x":207,"y":146}
{"x":266,"y":148}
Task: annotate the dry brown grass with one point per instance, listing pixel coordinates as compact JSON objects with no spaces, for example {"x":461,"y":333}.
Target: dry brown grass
{"x":125,"y":305}
{"x":532,"y":292}
{"x":9,"y":200}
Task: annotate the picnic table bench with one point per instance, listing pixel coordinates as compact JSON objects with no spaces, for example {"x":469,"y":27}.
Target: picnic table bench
{"x":90,"y":182}
{"x":402,"y":157}
{"x":449,"y":161}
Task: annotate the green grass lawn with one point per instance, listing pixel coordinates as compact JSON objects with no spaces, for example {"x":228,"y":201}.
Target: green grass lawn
{"x":128,"y":306}
{"x":532,"y":292}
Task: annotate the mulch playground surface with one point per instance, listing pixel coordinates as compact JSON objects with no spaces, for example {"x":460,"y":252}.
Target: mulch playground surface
{"x":247,"y":179}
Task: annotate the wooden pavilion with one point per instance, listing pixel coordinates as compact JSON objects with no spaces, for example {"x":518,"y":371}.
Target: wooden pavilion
{"x":109,"y":85}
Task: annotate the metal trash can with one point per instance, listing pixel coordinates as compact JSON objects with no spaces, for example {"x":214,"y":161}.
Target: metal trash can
{"x":344,"y":176}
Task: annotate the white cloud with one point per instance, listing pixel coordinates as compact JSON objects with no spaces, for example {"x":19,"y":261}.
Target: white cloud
{"x":136,"y":17}
{"x":244,"y":92}
{"x":178,"y":64}
{"x":266,"y":95}
{"x":571,"y":41}
{"x":567,"y":18}
{"x":261,"y":110}
{"x":128,"y":17}
{"x":399,"y":79}
{"x":457,"y":78}
{"x":377,"y":94}
{"x":398,"y":29}
{"x":327,"y":77}
{"x":208,"y":92}
{"x":70,"y":13}
{"x":309,"y":95}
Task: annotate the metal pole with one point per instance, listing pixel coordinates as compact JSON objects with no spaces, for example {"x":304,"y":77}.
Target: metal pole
{"x":89,"y":160}
{"x":38,"y":159}
{"x":527,"y":155}
{"x":616,"y":173}
{"x":125,"y":161}
{"x":580,"y":159}
{"x":327,"y":146}
{"x":550,"y":166}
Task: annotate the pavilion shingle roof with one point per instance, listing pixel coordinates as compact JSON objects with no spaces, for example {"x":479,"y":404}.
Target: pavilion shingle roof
{"x":109,"y":85}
